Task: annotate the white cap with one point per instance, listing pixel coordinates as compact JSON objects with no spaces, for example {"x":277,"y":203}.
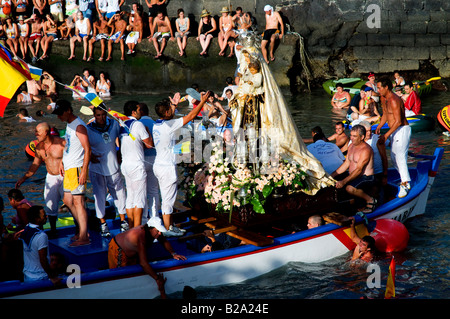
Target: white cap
{"x":268,"y":8}
{"x":157,"y":223}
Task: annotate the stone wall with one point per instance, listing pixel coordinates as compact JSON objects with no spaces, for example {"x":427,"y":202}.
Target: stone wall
{"x":343,"y":38}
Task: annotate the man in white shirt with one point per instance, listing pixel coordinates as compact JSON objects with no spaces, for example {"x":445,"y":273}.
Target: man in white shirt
{"x":153,"y":205}
{"x":35,"y":247}
{"x":104,"y":168}
{"x":329,"y":154}
{"x":165,"y":161}
{"x":75,"y":164}
{"x":133,"y":138}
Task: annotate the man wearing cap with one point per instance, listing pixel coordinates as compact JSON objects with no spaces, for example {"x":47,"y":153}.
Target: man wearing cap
{"x":104,"y":168}
{"x":399,"y":132}
{"x":75,"y":163}
{"x":273,"y":19}
{"x":371,"y":83}
{"x":49,"y":150}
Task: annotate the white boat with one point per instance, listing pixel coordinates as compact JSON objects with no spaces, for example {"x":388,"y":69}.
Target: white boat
{"x":219,"y":267}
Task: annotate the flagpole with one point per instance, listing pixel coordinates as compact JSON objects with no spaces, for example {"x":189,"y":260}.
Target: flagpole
{"x":121,"y":122}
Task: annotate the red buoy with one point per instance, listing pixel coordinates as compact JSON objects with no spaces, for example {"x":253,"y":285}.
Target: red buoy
{"x":390,"y":235}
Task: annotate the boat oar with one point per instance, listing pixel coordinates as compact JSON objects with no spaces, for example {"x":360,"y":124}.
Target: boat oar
{"x":429,"y":80}
{"x":86,"y":110}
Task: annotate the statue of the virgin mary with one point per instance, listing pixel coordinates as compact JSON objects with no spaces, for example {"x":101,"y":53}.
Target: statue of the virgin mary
{"x":259,"y":104}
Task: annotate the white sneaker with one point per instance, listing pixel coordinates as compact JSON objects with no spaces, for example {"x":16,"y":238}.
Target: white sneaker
{"x":172,"y":232}
{"x":176,"y":229}
{"x":403,"y":191}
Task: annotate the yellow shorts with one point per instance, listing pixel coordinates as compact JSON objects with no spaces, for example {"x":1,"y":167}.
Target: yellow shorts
{"x":71,"y":184}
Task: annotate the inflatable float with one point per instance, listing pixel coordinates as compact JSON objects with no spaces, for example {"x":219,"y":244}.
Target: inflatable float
{"x":443,"y":118}
{"x":418,"y":123}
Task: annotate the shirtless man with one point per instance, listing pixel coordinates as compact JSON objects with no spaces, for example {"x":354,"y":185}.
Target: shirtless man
{"x":118,"y":26}
{"x":40,"y":6}
{"x":101,"y":32}
{"x":136,"y":29}
{"x":163,"y":29}
{"x":50,"y":31}
{"x":132,"y":246}
{"x":359,"y":163}
{"x":242,"y":21}
{"x":365,"y":246}
{"x":273,"y":19}
{"x":340,"y":137}
{"x":154,"y":6}
{"x":35,"y":35}
{"x":226,"y":30}
{"x":49,"y":150}
{"x":399,"y":132}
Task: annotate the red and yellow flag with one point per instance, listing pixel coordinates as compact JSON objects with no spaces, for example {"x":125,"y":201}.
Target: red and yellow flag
{"x":12,"y":75}
{"x":390,"y":284}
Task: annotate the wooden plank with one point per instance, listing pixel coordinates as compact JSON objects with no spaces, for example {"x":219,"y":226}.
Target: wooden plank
{"x":195,"y":221}
{"x":180,"y":207}
{"x":251,"y":238}
{"x":216,"y":224}
{"x":216,"y":231}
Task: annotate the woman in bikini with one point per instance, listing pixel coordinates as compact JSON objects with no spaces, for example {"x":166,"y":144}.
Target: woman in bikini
{"x":341,"y":99}
{"x":226,"y":30}
{"x":368,"y":108}
{"x":183,"y":24}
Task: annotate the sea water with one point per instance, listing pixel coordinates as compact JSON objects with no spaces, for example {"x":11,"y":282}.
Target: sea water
{"x":422,"y":270}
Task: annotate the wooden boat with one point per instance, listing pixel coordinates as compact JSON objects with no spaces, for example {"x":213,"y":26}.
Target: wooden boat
{"x":261,"y":255}
{"x":418,"y":123}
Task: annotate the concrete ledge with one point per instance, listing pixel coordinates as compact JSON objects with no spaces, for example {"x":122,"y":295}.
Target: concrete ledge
{"x":143,"y":73}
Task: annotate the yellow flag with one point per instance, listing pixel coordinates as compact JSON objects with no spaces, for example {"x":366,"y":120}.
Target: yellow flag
{"x":390,"y":285}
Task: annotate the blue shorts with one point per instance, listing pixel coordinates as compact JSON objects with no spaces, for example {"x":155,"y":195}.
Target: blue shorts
{"x":109,"y":15}
{"x":362,"y":181}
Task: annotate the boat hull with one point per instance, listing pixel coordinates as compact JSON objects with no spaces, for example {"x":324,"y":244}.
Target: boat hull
{"x":240,"y":263}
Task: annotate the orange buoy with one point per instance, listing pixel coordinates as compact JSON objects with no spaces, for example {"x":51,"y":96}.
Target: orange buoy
{"x":390,"y":235}
{"x":30,"y":149}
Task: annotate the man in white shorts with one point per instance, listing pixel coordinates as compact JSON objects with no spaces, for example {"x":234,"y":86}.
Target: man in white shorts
{"x":76,"y":158}
{"x":104,"y":168}
{"x":165,"y":167}
{"x":133,"y":139}
{"x":399,"y":132}
{"x":153,"y":205}
{"x":49,"y":150}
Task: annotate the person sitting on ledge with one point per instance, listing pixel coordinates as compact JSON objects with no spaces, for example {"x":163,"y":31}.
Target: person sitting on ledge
{"x":273,"y":19}
{"x":136,"y":29}
{"x":161,"y":31}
